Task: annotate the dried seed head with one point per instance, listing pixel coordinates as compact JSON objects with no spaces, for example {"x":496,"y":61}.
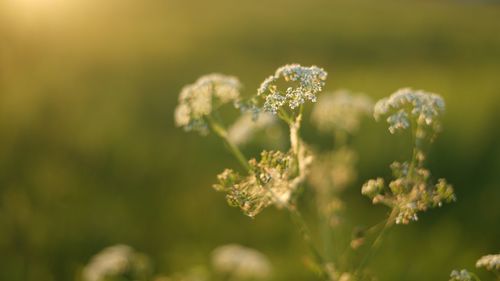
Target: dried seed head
{"x":411,"y":191}
{"x":273,"y":181}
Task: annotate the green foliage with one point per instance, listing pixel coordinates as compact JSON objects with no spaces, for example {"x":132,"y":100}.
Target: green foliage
{"x":90,"y":156}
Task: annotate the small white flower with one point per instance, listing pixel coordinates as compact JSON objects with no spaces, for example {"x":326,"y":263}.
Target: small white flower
{"x":241,"y":263}
{"x":407,"y":105}
{"x":305,"y":82}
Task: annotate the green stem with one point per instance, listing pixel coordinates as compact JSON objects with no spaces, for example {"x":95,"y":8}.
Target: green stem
{"x":475,"y":276}
{"x":376,"y":243}
{"x":306,"y":236}
{"x":296,"y":216}
{"x":222,"y":133}
{"x":325,"y":227}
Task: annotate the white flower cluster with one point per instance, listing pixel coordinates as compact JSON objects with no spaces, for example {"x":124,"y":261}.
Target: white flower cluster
{"x":246,"y":126}
{"x":200,"y":99}
{"x":114,"y":262}
{"x":272,"y":182}
{"x":410,"y":192}
{"x":341,"y":110}
{"x":303,"y":83}
{"x":462,"y":275}
{"x":490,"y":262}
{"x":407,"y":105}
{"x":241,"y":263}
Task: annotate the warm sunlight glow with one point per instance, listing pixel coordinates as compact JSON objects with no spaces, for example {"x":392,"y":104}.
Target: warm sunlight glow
{"x":38,"y":10}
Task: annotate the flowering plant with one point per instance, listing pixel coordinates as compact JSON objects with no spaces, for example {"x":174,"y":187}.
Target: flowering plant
{"x":277,"y":177}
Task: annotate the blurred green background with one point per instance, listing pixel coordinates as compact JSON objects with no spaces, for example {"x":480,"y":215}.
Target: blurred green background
{"x":90,"y":157}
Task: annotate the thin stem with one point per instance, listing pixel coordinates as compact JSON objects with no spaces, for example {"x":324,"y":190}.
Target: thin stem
{"x":340,"y":139}
{"x":475,"y":276}
{"x":294,"y":213}
{"x":285,"y":116}
{"x":222,"y":133}
{"x":376,"y":243}
{"x":325,"y":227}
{"x":306,"y":236}
{"x":297,"y":218}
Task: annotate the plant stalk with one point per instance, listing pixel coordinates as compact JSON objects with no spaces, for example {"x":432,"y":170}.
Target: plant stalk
{"x":222,"y":133}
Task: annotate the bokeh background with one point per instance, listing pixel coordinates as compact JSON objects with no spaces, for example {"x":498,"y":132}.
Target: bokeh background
{"x":90,"y":156}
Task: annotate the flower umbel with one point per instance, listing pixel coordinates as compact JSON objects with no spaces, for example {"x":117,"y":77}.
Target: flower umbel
{"x":299,"y":84}
{"x":412,"y":189}
{"x":406,"y":106}
{"x":207,"y":94}
{"x":341,"y":110}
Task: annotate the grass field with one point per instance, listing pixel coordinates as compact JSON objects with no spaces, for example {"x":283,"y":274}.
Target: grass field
{"x":90,"y":156}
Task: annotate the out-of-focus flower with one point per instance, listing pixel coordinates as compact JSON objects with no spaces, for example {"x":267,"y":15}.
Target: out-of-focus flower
{"x":333,"y":171}
{"x":299,"y":83}
{"x":241,"y":263}
{"x":490,"y":262}
{"x":207,"y":94}
{"x":245,"y":127}
{"x":462,"y":275}
{"x":117,"y":261}
{"x":341,"y":111}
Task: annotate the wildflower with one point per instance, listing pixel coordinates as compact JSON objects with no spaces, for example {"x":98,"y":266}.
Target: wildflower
{"x":341,"y":110}
{"x":241,"y":263}
{"x":207,"y":94}
{"x":243,"y":129}
{"x":333,"y":171}
{"x":462,"y":275}
{"x":272,"y":181}
{"x":407,"y":106}
{"x":114,"y":262}
{"x":411,"y":190}
{"x":490,"y":262}
{"x":304,"y":83}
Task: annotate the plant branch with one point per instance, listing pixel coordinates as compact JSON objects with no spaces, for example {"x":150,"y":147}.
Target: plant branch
{"x":222,"y":133}
{"x":376,"y":243}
